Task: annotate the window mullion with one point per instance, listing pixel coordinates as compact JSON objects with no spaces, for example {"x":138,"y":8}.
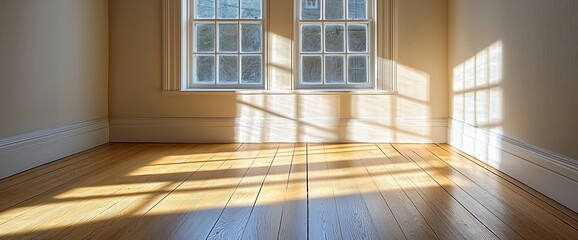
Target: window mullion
{"x":217,"y":40}
{"x":322,"y":48}
{"x":239,"y":46}
{"x":346,"y":50}
{"x":322,"y":9}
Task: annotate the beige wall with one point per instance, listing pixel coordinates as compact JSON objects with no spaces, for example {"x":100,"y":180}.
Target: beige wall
{"x":135,"y":86}
{"x":53,"y":64}
{"x":528,"y":91}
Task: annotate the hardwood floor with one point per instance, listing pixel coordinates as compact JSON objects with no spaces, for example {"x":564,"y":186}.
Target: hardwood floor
{"x":275,"y":191}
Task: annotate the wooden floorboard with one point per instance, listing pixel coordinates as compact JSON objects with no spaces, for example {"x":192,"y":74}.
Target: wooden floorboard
{"x":186,"y":166}
{"x":323,"y":216}
{"x":406,"y":214}
{"x":465,"y":193}
{"x":532,"y":195}
{"x":380,"y":212}
{"x":265,"y":218}
{"x":35,"y":186}
{"x":275,"y":191}
{"x":476,"y":186}
{"x":444,"y":197}
{"x":412,"y":183}
{"x":519,"y":210}
{"x":202,"y":194}
{"x":293,"y":225}
{"x":233,"y":219}
{"x":354,"y":217}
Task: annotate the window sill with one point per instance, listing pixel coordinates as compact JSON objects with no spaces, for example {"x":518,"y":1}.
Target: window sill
{"x":271,"y":92}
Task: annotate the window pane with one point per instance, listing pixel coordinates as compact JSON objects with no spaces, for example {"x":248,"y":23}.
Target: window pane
{"x":357,"y":37}
{"x":251,"y":37}
{"x":357,"y":72}
{"x":334,"y":38}
{"x":310,"y":9}
{"x":334,"y":9}
{"x":205,"y":37}
{"x":228,"y":37}
{"x":335,"y":69}
{"x":228,"y":9}
{"x":251,"y":69}
{"x":251,"y":9}
{"x":311,"y":69}
{"x":228,"y":69}
{"x":205,"y":69}
{"x":311,"y":38}
{"x":205,"y":9}
{"x":357,"y":9}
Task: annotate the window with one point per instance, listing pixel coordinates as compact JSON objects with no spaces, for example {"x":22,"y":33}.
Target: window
{"x":335,"y":44}
{"x":312,"y":4}
{"x":226,"y":44}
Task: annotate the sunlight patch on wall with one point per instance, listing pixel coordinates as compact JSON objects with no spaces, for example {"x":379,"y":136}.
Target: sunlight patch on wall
{"x":413,"y":99}
{"x":413,"y":88}
{"x":413,"y":83}
{"x":477,"y":102}
{"x":341,"y":116}
{"x":371,"y":106}
{"x":477,"y":94}
{"x":279,"y":61}
{"x":286,"y":118}
{"x":250,"y":108}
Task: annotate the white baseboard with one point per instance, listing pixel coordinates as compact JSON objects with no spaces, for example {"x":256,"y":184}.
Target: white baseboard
{"x":22,"y":152}
{"x":552,"y":174}
{"x":224,"y":130}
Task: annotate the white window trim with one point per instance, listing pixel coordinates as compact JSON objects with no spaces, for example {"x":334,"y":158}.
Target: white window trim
{"x":174,"y":44}
{"x":188,"y":85}
{"x":386,"y":66}
{"x":372,"y":53}
{"x":172,"y":74}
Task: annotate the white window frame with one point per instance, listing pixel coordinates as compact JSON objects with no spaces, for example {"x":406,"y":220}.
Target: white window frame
{"x":373,"y":71}
{"x":192,"y":21}
{"x":178,"y":50}
{"x":176,"y":60}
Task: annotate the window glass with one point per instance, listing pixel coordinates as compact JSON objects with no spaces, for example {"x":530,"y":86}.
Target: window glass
{"x":335,"y":47}
{"x":227,"y":45}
